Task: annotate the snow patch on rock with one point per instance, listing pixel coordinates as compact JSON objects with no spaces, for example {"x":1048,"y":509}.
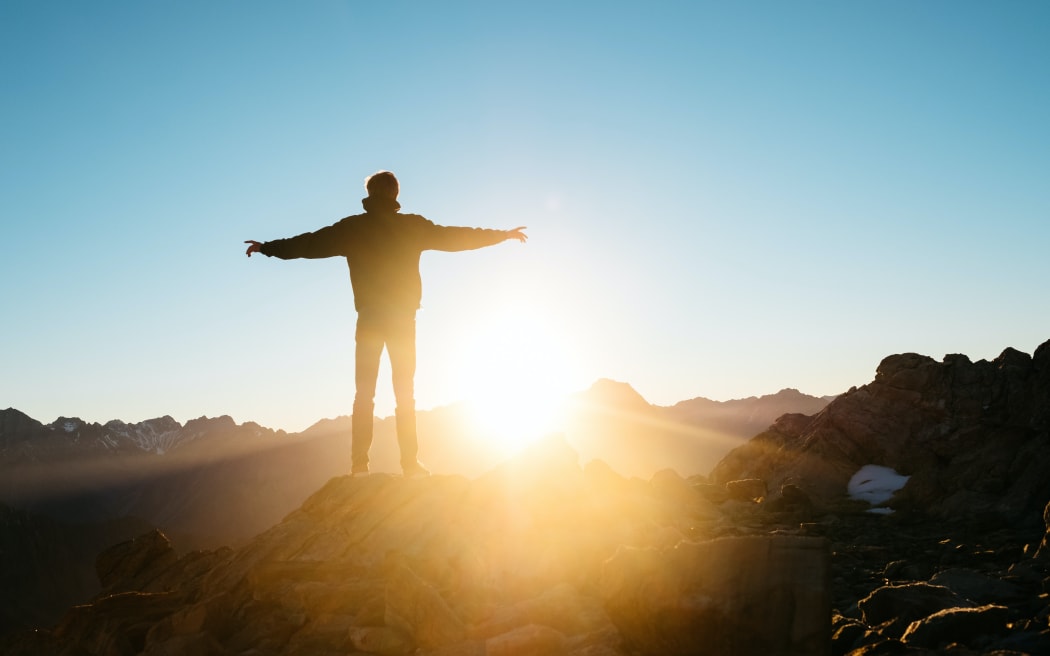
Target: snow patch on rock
{"x":875,"y":484}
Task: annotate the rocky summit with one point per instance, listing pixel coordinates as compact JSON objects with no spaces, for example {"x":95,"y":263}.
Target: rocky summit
{"x":774,"y":553}
{"x":539,"y":556}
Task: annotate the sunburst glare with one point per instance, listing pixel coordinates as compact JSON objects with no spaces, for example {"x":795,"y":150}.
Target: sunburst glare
{"x":517,"y":376}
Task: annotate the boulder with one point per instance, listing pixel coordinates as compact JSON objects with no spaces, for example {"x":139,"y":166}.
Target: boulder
{"x":968,"y":626}
{"x":978,"y":587}
{"x":903,"y":604}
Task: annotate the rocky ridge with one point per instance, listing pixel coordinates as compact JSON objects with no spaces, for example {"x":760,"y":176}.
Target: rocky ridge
{"x":540,"y":556}
{"x":972,"y":436}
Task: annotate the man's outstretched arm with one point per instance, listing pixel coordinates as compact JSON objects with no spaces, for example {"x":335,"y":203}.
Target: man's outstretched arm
{"x":326,"y":242}
{"x":450,"y":238}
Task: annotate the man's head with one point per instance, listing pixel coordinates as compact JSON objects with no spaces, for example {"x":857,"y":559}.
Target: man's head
{"x":382,"y":184}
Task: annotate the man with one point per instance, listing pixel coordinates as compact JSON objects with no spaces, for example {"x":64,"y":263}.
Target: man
{"x":382,"y":248}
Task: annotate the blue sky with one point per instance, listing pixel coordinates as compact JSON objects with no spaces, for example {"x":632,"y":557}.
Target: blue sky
{"x":723,"y":199}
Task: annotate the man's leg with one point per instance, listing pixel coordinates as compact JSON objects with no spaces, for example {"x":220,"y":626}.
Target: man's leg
{"x":401,"y":346}
{"x":368,"y":350}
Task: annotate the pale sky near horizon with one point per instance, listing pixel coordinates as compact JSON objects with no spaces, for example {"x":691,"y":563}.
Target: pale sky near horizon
{"x":723,"y":199}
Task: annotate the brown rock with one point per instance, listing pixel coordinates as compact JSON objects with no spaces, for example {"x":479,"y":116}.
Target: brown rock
{"x":957,"y":625}
{"x":978,"y":587}
{"x":906,"y":603}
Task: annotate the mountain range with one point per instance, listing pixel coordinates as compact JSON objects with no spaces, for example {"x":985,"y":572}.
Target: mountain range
{"x":171,"y":475}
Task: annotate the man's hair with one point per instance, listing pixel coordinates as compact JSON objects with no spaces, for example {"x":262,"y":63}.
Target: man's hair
{"x":382,"y":184}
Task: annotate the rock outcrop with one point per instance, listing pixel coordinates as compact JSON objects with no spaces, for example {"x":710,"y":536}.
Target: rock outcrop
{"x":974,"y":438}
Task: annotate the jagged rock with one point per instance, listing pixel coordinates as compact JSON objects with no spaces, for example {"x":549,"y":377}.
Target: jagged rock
{"x":727,"y":596}
{"x":977,"y":587}
{"x":903,"y":604}
{"x":132,"y":565}
{"x":846,"y":633}
{"x":958,"y":625}
{"x":748,"y":489}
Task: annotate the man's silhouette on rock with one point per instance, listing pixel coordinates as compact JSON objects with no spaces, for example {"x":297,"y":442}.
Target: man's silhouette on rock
{"x":382,"y":248}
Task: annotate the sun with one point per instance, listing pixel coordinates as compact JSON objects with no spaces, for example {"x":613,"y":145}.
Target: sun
{"x":516,"y":377}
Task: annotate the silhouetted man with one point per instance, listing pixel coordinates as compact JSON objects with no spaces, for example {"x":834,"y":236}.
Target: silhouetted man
{"x":382,"y":247}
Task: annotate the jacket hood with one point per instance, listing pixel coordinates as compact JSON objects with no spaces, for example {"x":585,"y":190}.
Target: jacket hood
{"x":380,"y":204}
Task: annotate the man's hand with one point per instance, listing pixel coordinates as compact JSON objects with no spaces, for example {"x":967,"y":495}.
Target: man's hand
{"x":517,"y":233}
{"x":253,"y":247}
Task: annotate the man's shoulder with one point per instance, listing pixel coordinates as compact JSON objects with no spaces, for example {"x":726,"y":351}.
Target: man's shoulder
{"x":353,"y":218}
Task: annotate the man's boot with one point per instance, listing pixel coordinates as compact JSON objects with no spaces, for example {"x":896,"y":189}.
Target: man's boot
{"x":409,"y":444}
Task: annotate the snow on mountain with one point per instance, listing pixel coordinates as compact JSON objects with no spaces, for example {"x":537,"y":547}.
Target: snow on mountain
{"x":25,"y":440}
{"x":153,"y":435}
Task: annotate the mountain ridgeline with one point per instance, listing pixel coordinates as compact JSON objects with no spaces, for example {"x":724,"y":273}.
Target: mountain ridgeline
{"x":214,"y":482}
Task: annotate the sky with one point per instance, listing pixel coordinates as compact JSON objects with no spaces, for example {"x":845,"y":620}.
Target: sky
{"x":722,"y":199}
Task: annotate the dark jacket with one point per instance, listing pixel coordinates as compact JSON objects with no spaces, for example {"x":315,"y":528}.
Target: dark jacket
{"x":382,"y":248}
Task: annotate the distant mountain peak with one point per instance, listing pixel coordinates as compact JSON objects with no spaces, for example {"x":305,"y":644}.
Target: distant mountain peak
{"x":612,"y":393}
